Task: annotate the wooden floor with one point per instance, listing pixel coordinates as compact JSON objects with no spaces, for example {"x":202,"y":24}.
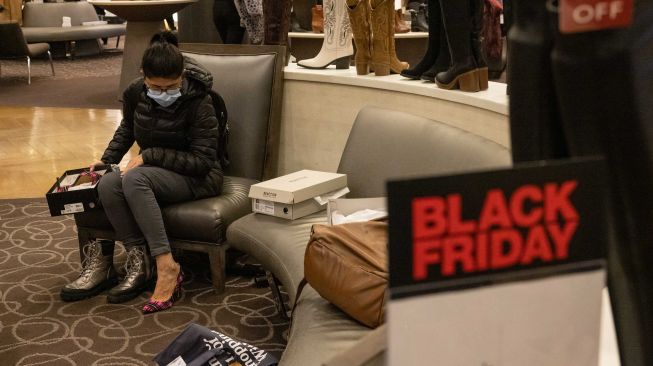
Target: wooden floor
{"x":38,"y":144}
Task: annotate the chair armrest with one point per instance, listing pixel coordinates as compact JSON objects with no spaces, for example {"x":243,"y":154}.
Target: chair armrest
{"x":206,"y":219}
{"x":369,"y":351}
{"x":203,"y":220}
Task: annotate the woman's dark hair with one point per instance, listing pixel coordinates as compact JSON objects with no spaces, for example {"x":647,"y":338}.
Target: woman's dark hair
{"x":162,"y":58}
{"x":165,"y":36}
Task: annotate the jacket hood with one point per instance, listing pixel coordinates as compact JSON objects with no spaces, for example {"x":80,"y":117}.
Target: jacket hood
{"x":197,"y":72}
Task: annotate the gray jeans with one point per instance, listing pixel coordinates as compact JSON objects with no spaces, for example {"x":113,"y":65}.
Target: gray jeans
{"x":131,"y":203}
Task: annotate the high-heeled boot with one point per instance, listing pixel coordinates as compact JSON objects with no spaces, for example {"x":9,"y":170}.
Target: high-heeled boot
{"x":436,"y":59}
{"x":477,"y":43}
{"x":419,"y":16}
{"x":535,"y":125}
{"x":396,"y":65}
{"x":379,"y":20}
{"x":384,"y":57}
{"x":443,"y":61}
{"x":138,"y":275}
{"x":359,"y":18}
{"x":276,"y":14}
{"x":463,"y":73}
{"x":337,"y":47}
{"x":400,"y":24}
{"x":603,"y":86}
{"x":97,"y":272}
{"x":303,"y":13}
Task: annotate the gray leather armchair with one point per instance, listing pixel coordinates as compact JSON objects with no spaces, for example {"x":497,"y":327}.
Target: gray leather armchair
{"x":405,"y":146}
{"x":250,"y":79}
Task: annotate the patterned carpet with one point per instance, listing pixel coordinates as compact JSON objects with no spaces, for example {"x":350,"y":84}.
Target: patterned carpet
{"x":39,"y":254}
{"x":83,"y":82}
{"x":105,"y":64}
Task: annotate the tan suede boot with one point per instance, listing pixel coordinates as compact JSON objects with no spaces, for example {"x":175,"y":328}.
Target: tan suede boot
{"x":381,"y":21}
{"x":396,"y":66}
{"x":359,"y":17}
{"x":383,"y":36}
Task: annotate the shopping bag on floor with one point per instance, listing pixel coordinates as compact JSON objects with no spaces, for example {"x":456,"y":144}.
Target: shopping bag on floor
{"x":201,"y":346}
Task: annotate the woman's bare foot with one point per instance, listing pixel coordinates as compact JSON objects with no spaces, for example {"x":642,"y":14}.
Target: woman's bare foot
{"x":167,"y":271}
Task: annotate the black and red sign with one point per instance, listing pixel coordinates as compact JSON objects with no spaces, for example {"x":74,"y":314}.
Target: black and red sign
{"x":593,"y":15}
{"x":482,"y":228}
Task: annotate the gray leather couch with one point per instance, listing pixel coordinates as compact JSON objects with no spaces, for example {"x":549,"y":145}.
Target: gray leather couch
{"x":382,"y":145}
{"x":42,"y":23}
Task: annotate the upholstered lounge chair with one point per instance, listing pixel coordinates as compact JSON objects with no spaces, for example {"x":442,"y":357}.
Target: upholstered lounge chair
{"x":13,"y":45}
{"x":249,"y":78}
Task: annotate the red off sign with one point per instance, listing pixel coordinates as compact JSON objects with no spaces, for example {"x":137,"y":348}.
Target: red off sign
{"x":592,"y":15}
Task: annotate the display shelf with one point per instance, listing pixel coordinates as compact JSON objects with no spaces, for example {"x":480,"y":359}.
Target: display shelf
{"x":410,"y":46}
{"x":319,"y":108}
{"x":313,"y":35}
{"x":493,"y":99}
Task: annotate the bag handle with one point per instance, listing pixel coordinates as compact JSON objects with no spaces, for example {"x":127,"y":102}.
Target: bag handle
{"x":300,"y":288}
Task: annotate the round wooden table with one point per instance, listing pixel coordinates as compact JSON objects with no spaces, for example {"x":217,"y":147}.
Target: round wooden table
{"x":144,"y":19}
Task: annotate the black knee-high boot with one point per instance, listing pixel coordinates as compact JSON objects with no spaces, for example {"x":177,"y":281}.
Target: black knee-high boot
{"x":463,"y":73}
{"x":477,"y":7}
{"x":277,"y":21}
{"x":276,"y":14}
{"x":604,"y":85}
{"x":535,"y":126}
{"x":436,"y":59}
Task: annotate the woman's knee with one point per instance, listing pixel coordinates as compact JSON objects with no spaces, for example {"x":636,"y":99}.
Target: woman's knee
{"x":110,"y":185}
{"x":135,"y":180}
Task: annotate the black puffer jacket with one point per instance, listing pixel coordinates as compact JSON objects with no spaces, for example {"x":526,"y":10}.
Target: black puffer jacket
{"x":182,"y":137}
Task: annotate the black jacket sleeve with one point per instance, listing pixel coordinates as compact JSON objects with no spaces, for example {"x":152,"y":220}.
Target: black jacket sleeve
{"x":123,"y":138}
{"x":201,"y":154}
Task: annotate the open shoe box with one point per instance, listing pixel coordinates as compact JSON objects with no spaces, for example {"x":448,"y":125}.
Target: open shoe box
{"x":80,"y":196}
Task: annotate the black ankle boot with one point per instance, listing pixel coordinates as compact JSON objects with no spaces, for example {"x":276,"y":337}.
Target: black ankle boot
{"x":301,"y":10}
{"x":422,"y":23}
{"x":295,"y":26}
{"x":437,"y":53}
{"x":463,"y":73}
{"x":419,"y":14}
{"x":138,"y":276}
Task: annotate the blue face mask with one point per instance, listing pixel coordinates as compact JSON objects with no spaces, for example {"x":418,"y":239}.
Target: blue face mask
{"x":164,"y":99}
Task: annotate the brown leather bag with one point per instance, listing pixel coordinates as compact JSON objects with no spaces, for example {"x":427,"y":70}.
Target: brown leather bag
{"x":317,"y":19}
{"x":347,"y":265}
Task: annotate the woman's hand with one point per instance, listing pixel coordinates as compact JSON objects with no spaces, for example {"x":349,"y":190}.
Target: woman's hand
{"x":133,"y":163}
{"x":94,"y":164}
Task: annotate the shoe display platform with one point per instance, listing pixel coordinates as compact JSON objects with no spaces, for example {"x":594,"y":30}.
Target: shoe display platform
{"x":319,"y":107}
{"x":410,"y":46}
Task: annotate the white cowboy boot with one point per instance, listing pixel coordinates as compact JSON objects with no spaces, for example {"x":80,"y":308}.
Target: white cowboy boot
{"x":337,"y":47}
